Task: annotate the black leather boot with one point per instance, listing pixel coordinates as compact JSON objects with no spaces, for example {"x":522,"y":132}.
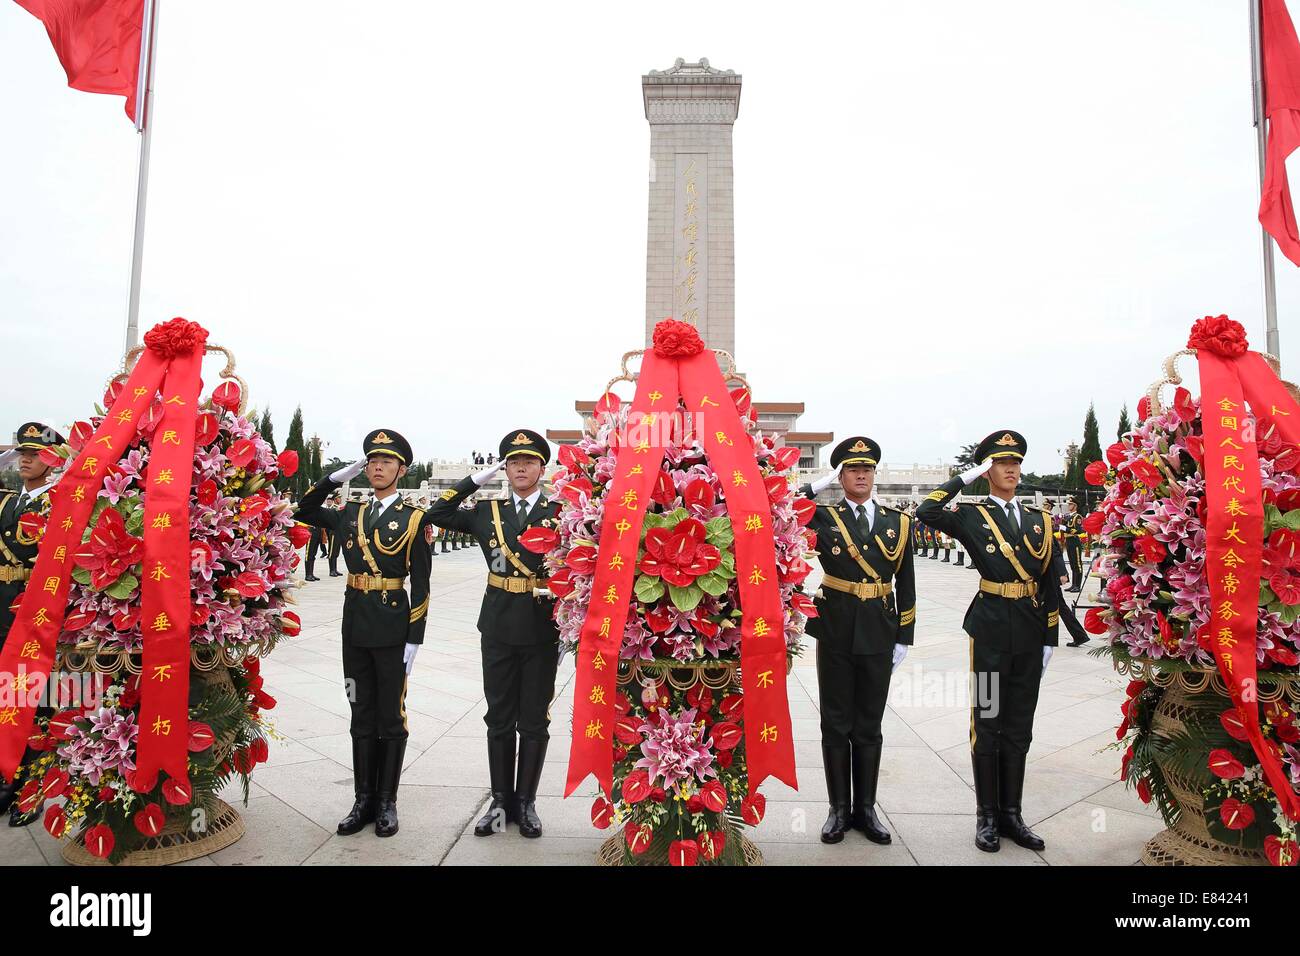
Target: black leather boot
{"x":532,"y":756}
{"x":961,"y":559}
{"x":501,"y":768}
{"x":364,"y":768}
{"x":838,"y":822}
{"x":391,"y":753}
{"x":866,"y":769}
{"x":1011,"y":784}
{"x":986,"y":802}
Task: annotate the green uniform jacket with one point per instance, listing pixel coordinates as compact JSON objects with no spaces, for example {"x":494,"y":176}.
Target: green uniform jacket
{"x":396,"y":550}
{"x":845,"y":623}
{"x":508,"y":617}
{"x":16,"y":549}
{"x":1002,"y":624}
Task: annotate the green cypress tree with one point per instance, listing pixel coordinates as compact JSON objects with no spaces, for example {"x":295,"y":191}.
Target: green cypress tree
{"x":298,"y":484}
{"x":267,"y":430}
{"x":1091,"y":450}
{"x":1124,"y":424}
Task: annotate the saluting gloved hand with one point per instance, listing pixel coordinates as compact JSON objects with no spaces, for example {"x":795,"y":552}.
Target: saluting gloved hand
{"x":1047,"y":656}
{"x":348,"y":472}
{"x":481,"y":478}
{"x":900,"y":651}
{"x":408,"y":657}
{"x":824,"y":482}
{"x":971,"y":475}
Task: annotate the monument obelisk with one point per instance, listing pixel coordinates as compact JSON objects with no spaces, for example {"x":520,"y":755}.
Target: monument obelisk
{"x":690,"y":266}
{"x":690,"y":263}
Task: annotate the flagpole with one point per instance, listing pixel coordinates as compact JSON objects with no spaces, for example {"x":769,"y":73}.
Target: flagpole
{"x":1261,"y":149}
{"x":144,"y":126}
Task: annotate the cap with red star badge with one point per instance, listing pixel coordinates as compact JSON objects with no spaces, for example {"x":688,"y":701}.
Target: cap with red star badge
{"x":1002,"y":444}
{"x":858,"y":450}
{"x":525,"y":442}
{"x":385,"y":441}
{"x":34,"y":436}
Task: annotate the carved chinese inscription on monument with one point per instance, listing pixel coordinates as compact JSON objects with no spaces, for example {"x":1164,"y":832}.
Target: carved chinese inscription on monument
{"x":691,"y":240}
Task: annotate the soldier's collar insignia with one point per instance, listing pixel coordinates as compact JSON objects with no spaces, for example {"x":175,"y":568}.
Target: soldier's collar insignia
{"x":382,"y":439}
{"x":1006,"y":439}
{"x":521,"y":439}
{"x":859,"y":445}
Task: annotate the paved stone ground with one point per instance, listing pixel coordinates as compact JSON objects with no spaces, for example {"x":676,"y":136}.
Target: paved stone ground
{"x":1072,"y":797}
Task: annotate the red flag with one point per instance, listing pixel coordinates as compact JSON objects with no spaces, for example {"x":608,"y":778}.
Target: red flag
{"x":97,"y":41}
{"x":1281,"y":51}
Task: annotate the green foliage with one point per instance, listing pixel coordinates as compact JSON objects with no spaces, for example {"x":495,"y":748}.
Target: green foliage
{"x":266,"y":429}
{"x":297,"y":484}
{"x":1125,"y":426}
{"x":1091,"y":449}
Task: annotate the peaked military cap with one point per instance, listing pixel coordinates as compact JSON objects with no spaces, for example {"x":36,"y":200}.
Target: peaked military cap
{"x":525,"y":442}
{"x":385,"y":441}
{"x":34,"y":436}
{"x":1002,"y":444}
{"x":858,"y":450}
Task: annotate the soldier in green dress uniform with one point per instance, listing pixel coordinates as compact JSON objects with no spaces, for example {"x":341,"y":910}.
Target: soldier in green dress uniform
{"x":1012,"y":622}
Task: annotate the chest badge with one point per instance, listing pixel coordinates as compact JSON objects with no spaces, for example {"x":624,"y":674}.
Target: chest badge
{"x":492,"y":542}
{"x":1038,"y":529}
{"x":890,"y":534}
{"x":349,"y":544}
{"x":989,"y":548}
{"x":392,"y":526}
{"x":835,"y":549}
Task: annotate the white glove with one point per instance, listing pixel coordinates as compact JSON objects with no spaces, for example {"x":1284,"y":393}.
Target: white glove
{"x":408,"y":657}
{"x":1047,"y":656}
{"x":348,"y":472}
{"x":481,"y":478}
{"x":900,"y":651}
{"x":824,"y":482}
{"x":970,"y":475}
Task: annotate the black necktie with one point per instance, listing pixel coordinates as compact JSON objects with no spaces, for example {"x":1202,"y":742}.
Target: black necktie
{"x":523,"y":511}
{"x":376,"y":510}
{"x":1013,"y":517}
{"x":22,"y":501}
{"x":864,"y":526}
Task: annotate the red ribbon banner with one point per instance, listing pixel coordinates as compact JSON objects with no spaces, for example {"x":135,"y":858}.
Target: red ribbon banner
{"x":171,"y":360}
{"x":1235,"y":520}
{"x":664,"y":377}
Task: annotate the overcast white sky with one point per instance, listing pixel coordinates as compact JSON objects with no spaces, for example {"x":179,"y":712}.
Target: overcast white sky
{"x":950,"y":217}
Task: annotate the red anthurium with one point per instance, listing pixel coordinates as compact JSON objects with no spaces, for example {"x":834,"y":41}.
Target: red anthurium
{"x":679,"y":555}
{"x":1095,"y":473}
{"x":54,"y":783}
{"x":1286,"y":586}
{"x":804,"y":510}
{"x":259,"y":750}
{"x":577,"y":490}
{"x":201,"y":737}
{"x":664,"y":492}
{"x":1196,"y":447}
{"x":1144,"y":790}
{"x":1287,"y":458}
{"x":581,"y":559}
{"x":63,"y":723}
{"x":803,"y":604}
{"x":712,"y":843}
{"x":785,"y":457}
{"x":177,"y":791}
{"x":150,"y":820}
{"x":637,"y":836}
{"x":752,"y":809}
{"x":242,"y":453}
{"x":778,"y":489}
{"x":50,"y":457}
{"x":199,"y":614}
{"x":1283,"y":655}
{"x":700,"y":697}
{"x":573,"y":458}
{"x":56,"y":822}
{"x":539,"y":540}
{"x":726,"y":735}
{"x":1235,"y":814}
{"x":1094,"y":622}
{"x":126,"y":619}
{"x":290,"y":624}
{"x":1115,"y":454}
{"x":1151,"y":550}
{"x":699,"y":494}
{"x":110,"y":552}
{"x":1287,"y":543}
{"x":1281,"y":852}
{"x":795,"y":574}
{"x":683,"y":853}
{"x":80,"y":433}
{"x":112,"y":392}
{"x":207,"y":494}
{"x":32,"y":525}
{"x":1224,"y":765}
{"x":1147,"y":473}
{"x":78,"y":619}
{"x":714,"y":795}
{"x":1184,"y":405}
{"x":227,"y":396}
{"x":99,"y":841}
{"x":1093,"y":523}
{"x":250,"y":584}
{"x":602,"y":811}
{"x":741,"y":398}
{"x":299,"y":535}
{"x":622,"y":703}
{"x":658,"y":620}
{"x":625,"y":729}
{"x":287,"y":462}
{"x":608,"y":404}
{"x":560,"y":582}
{"x":206,"y":427}
{"x":636,"y":786}
{"x":731,"y":707}
{"x":706,"y":627}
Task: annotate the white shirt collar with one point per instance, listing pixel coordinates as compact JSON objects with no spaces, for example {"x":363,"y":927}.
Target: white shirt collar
{"x":531,"y":499}
{"x":869,"y":504}
{"x":381,"y":504}
{"x":1004,"y":505}
{"x":33,"y":495}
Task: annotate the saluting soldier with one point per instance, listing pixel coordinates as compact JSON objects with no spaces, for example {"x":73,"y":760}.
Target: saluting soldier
{"x":383,"y":546}
{"x":866,"y":616}
{"x":520,"y":640}
{"x":18,"y":546}
{"x":1012,"y":622}
{"x":1073,"y":531}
